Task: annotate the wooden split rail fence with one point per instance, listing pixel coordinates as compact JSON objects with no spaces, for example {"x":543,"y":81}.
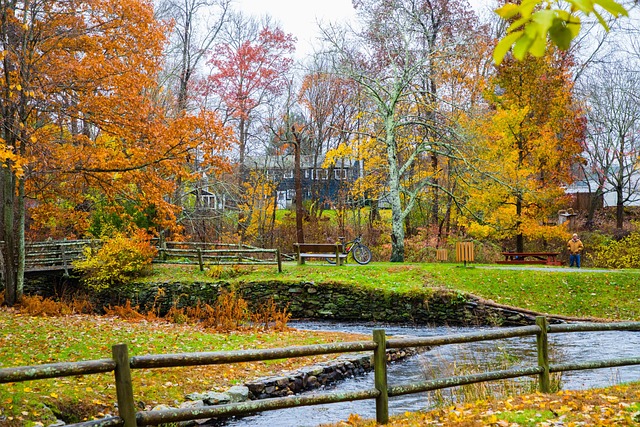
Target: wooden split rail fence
{"x":59,"y":255}
{"x":216,"y":253}
{"x":121,"y":365}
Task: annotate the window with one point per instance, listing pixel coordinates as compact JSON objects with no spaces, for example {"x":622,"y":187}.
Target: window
{"x":288,"y":175}
{"x":274,"y":175}
{"x":320,"y":174}
{"x":209,"y":201}
{"x":340,"y":174}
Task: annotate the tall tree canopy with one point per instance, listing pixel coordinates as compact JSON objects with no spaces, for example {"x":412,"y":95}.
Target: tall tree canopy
{"x":398,"y":60}
{"x":247,"y":68}
{"x":80,"y":121}
{"x":524,"y":147}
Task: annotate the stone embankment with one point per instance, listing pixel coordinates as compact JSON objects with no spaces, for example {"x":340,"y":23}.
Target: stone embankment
{"x":334,"y":301}
{"x":290,"y":383}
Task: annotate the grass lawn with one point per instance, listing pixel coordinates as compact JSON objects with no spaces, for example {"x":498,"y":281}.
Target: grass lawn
{"x":616,"y":405}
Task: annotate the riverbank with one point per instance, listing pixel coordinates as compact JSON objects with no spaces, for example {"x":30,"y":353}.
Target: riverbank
{"x":34,"y":340}
{"x":556,"y":292}
{"x":608,"y":294}
{"x":409,"y":293}
{"x":617,"y":405}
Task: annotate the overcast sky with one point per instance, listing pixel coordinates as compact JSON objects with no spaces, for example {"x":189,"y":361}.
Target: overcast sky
{"x":299,"y":17}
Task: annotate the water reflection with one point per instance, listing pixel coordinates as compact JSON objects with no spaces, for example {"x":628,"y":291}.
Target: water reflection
{"x":575,"y":347}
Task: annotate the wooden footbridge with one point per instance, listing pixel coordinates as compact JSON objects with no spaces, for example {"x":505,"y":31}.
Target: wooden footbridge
{"x":59,"y":255}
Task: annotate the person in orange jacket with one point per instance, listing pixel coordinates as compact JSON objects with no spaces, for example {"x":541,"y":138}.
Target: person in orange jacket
{"x":575,"y":247}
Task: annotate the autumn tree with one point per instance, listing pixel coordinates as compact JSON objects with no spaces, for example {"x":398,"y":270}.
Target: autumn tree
{"x":523,"y":148}
{"x":196,"y":25}
{"x":535,"y":25}
{"x":81,"y":122}
{"x":612,"y":145}
{"x":396,"y":61}
{"x":250,"y":66}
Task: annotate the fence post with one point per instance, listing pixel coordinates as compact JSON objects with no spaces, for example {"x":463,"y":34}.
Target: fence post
{"x":163,"y":248}
{"x":380,"y":376}
{"x":543,"y":354}
{"x":124,"y":387}
{"x":63,"y":255}
{"x":200,"y":262}
{"x":279,"y":259}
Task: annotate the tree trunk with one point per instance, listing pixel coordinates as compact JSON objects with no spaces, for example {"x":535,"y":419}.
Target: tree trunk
{"x":397,"y":213}
{"x":397,"y":219}
{"x":298,"y":185}
{"x":272,"y":225}
{"x":619,"y":208}
{"x":374,"y":213}
{"x":594,"y":203}
{"x":241,"y":176}
{"x":8,"y":234}
{"x":21,"y":242}
{"x":519,"y":237}
{"x":397,"y":237}
{"x":435,"y":193}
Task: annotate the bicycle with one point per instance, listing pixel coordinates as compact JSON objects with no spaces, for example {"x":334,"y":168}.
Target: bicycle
{"x":358,"y":250}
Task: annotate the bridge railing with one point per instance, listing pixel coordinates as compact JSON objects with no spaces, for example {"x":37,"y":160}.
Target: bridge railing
{"x":53,"y":254}
{"x":122,"y":365}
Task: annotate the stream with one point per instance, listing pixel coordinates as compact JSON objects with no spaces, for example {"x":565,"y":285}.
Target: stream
{"x":438,"y":362}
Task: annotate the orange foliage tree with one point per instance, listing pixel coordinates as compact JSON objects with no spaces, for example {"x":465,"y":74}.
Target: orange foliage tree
{"x":81,"y":121}
{"x":523,"y":148}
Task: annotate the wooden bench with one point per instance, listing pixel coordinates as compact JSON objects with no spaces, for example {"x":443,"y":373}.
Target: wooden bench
{"x":547,"y":258}
{"x":319,"y":250}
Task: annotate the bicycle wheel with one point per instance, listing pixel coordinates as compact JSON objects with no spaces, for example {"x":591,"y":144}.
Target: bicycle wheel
{"x":361,"y":254}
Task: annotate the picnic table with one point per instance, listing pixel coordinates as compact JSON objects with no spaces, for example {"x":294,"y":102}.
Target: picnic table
{"x":548,"y":258}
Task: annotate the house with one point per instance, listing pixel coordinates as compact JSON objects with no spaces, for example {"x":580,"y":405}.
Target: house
{"x":208,"y":199}
{"x":325,"y":184}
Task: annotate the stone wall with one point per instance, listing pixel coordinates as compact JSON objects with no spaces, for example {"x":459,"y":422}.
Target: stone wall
{"x":330,"y":301}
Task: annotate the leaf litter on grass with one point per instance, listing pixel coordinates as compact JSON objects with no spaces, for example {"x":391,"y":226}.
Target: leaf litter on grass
{"x":613,"y":406}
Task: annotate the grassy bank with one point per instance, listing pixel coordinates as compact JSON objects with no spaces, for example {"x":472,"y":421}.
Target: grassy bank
{"x":30,"y":340}
{"x":27,"y":340}
{"x":580,"y":293}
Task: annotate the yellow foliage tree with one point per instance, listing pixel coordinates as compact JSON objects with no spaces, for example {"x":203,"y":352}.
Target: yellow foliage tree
{"x":522,"y":150}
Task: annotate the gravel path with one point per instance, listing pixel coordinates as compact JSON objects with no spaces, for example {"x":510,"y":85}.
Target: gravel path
{"x":562,"y":269}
